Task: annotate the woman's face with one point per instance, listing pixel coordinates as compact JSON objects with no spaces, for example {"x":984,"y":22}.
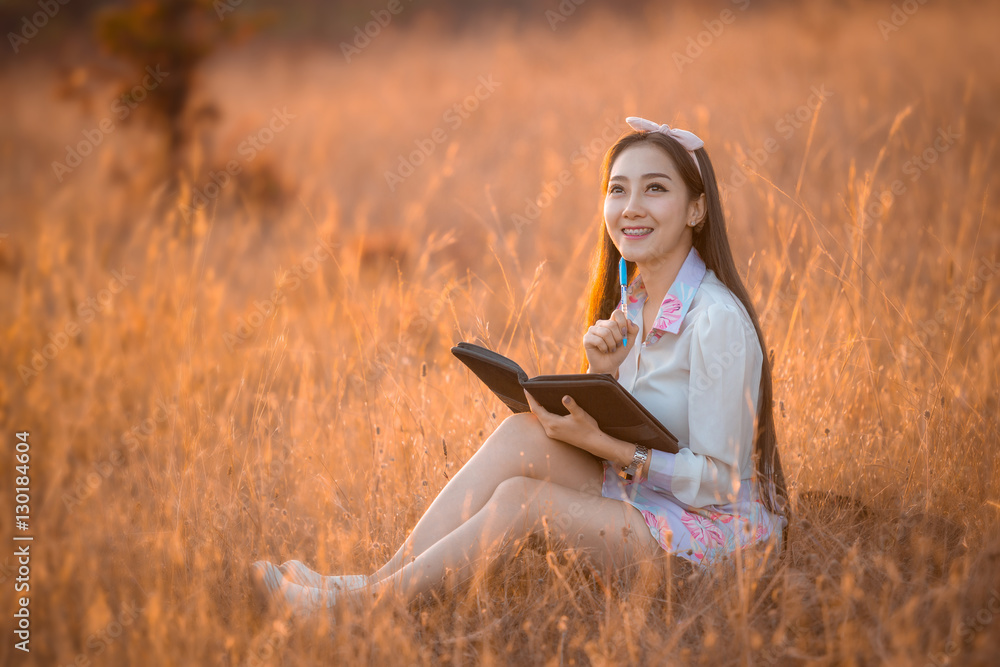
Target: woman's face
{"x":646,"y":191}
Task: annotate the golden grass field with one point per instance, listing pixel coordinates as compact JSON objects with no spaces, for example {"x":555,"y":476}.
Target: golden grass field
{"x":189,"y":428}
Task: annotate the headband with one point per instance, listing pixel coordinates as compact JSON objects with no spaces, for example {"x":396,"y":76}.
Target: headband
{"x":688,"y":140}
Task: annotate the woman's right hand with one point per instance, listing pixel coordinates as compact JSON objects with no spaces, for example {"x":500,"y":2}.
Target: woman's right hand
{"x":603,"y":342}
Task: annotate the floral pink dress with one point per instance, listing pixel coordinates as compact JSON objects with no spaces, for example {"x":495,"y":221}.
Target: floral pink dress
{"x":698,"y":534}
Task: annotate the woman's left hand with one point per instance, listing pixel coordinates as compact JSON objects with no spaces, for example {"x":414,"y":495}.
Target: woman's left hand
{"x":577,"y":428}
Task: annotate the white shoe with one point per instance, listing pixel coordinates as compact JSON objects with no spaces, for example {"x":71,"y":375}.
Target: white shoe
{"x":297,"y":572}
{"x":266,"y":580}
{"x":273,"y":589}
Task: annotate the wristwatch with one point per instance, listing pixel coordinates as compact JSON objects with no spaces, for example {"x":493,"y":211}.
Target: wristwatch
{"x":638,"y":461}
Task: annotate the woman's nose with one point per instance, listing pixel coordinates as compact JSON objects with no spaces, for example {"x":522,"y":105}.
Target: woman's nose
{"x":633,"y":206}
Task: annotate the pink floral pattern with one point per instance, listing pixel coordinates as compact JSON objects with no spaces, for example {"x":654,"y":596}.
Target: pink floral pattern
{"x":670,"y":312}
{"x":676,"y":302}
{"x":698,"y":534}
{"x":721,"y":533}
{"x":659,"y":527}
{"x":703,"y":530}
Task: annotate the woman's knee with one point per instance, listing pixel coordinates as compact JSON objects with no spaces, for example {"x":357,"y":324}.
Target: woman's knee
{"x":503,"y":514}
{"x":520,"y":447}
{"x":512,"y":496}
{"x":513,"y":491}
{"x":530,"y":503}
{"x":520,"y":425}
{"x":520,"y":437}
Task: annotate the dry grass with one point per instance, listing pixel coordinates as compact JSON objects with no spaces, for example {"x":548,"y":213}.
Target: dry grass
{"x":326,"y":433}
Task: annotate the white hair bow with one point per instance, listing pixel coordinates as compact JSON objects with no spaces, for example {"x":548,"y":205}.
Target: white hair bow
{"x":689,"y":140}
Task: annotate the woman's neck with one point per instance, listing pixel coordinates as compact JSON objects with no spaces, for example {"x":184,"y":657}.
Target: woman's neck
{"x":660,"y":274}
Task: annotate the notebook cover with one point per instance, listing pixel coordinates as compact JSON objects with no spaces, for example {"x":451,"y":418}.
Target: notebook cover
{"x":502,"y":375}
{"x":617,"y":412}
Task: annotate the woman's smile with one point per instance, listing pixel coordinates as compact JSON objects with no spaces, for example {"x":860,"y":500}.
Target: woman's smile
{"x":637,"y":232}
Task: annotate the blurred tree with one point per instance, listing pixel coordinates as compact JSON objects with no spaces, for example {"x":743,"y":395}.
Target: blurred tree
{"x":172,"y":37}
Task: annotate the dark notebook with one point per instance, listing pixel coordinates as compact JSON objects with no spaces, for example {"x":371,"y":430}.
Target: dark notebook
{"x":617,"y":412}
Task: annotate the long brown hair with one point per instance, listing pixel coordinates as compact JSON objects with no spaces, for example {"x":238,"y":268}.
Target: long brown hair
{"x":712,"y":243}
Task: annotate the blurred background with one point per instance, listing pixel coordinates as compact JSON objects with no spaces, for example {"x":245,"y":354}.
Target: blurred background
{"x":239,"y":238}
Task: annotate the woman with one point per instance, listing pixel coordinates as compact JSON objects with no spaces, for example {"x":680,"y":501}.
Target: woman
{"x":698,"y":366}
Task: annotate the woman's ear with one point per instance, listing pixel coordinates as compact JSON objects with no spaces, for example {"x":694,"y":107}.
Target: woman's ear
{"x":697,"y":209}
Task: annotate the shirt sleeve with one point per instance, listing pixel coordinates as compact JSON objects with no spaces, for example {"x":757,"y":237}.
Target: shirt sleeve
{"x":661,"y":469}
{"x":725,"y":361}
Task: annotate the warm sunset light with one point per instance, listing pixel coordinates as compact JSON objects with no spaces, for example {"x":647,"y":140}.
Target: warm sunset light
{"x":241,"y":238}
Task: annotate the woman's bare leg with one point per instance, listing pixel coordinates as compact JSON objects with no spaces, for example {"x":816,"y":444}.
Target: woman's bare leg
{"x":611,"y":531}
{"x":518,"y":447}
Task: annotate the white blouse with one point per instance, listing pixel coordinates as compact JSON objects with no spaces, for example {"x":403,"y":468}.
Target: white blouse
{"x":698,"y":372}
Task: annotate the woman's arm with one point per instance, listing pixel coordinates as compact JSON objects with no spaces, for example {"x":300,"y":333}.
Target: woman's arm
{"x":726,"y":364}
{"x":615,"y":374}
{"x":581,"y":430}
{"x":618,"y":452}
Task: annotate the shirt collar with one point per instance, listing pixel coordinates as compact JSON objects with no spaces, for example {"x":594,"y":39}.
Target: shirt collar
{"x":677,"y":300}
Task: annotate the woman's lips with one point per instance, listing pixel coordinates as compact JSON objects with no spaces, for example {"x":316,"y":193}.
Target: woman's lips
{"x":640,"y":236}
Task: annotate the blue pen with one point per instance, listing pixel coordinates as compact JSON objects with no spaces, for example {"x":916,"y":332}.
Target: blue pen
{"x":623,"y":279}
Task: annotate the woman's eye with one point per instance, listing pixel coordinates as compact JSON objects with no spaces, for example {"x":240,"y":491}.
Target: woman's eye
{"x":657,"y":185}
{"x":615,"y":188}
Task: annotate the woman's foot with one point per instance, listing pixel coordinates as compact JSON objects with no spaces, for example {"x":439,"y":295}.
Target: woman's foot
{"x":297,"y":572}
{"x":267,"y":580}
{"x":273,"y":589}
